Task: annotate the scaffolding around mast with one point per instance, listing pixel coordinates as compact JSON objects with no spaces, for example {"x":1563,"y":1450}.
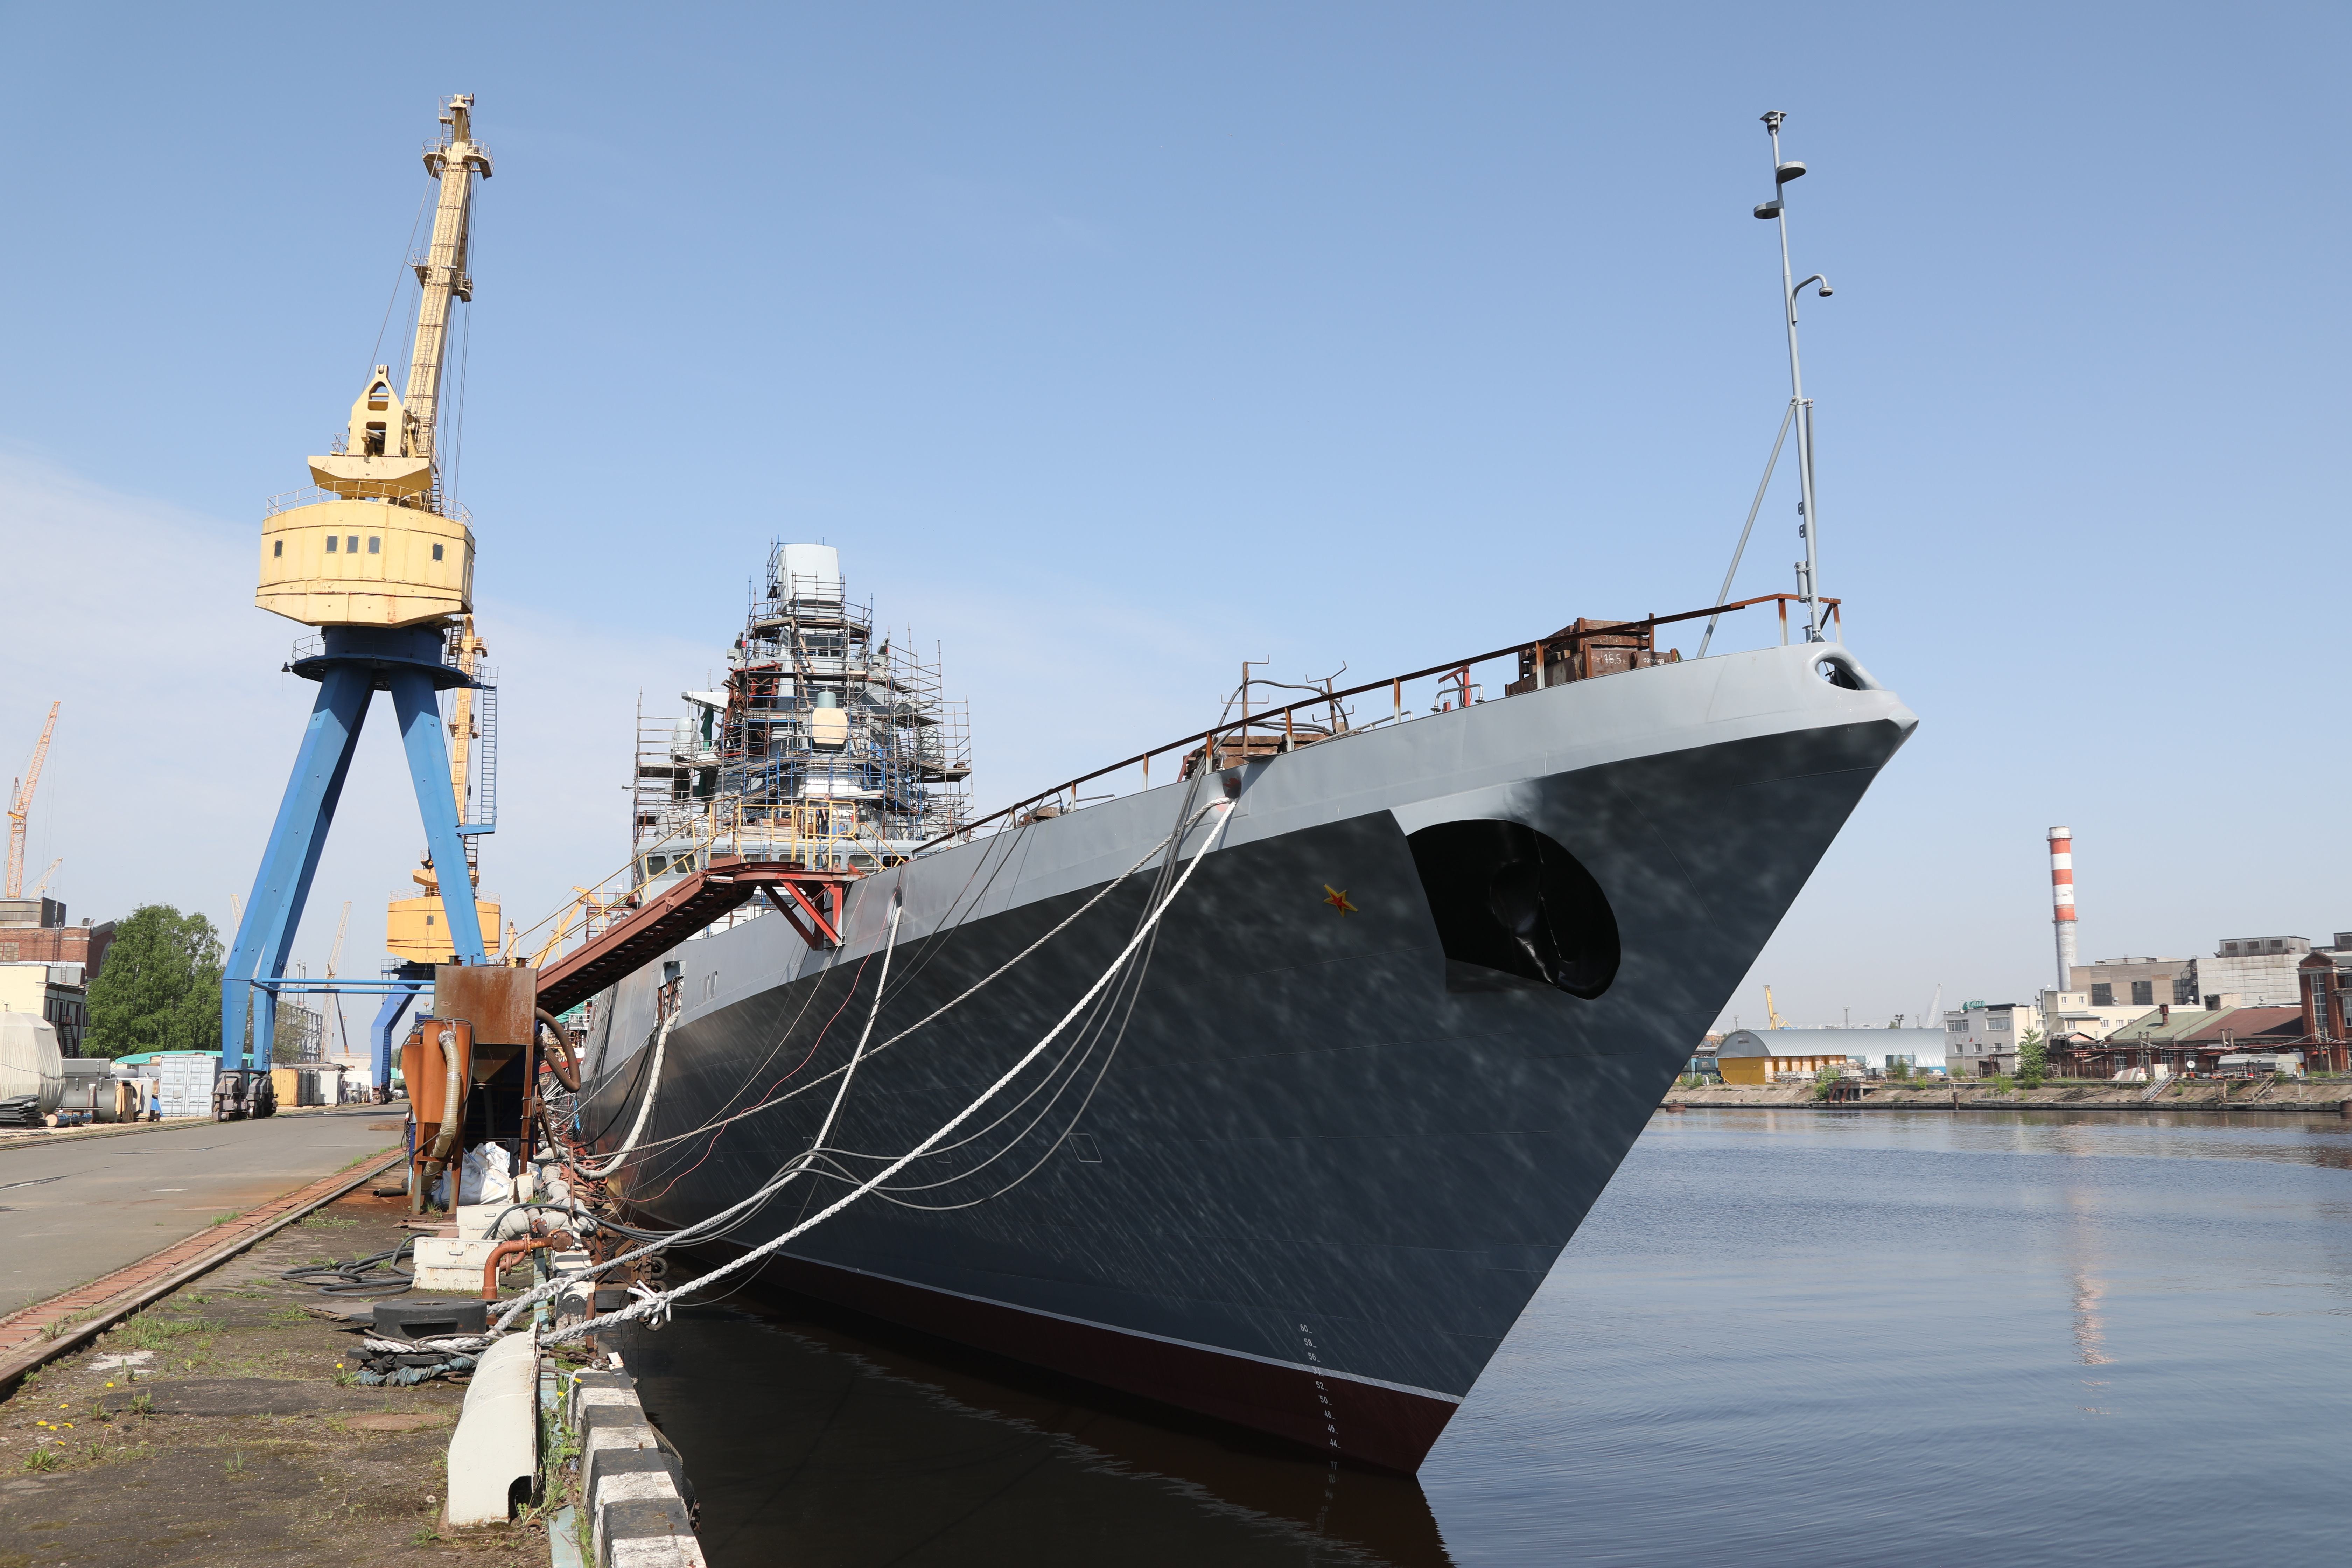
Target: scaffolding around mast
{"x":829,"y":745}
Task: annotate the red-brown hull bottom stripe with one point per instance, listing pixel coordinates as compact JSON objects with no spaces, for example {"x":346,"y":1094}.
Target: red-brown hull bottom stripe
{"x":1386,"y":1427}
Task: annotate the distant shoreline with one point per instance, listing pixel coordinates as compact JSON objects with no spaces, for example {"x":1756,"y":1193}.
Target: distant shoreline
{"x":2306,"y":1097}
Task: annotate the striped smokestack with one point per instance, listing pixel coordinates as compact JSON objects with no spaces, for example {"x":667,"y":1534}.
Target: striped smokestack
{"x":2061,"y":898}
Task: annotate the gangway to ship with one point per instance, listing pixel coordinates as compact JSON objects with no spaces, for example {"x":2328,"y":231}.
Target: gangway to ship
{"x":811,"y":900}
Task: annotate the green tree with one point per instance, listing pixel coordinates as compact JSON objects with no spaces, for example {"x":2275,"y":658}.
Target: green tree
{"x":159,"y":987}
{"x":2033,"y":1060}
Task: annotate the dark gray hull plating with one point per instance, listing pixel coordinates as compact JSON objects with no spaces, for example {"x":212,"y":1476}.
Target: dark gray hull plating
{"x":1323,"y":1174}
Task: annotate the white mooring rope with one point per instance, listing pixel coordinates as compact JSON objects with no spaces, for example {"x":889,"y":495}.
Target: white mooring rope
{"x":657,"y":1305}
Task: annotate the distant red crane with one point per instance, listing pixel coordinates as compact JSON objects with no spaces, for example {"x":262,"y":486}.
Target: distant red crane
{"x":20,"y":802}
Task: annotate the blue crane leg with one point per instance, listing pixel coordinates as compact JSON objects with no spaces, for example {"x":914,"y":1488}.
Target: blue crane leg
{"x":387,"y":1019}
{"x":282,"y":885}
{"x":428,"y":770}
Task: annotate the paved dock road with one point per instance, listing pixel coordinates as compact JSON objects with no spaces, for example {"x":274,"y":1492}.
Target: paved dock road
{"x":88,"y":1206}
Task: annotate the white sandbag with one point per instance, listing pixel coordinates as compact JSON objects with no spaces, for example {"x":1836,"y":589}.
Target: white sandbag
{"x":486,"y":1177}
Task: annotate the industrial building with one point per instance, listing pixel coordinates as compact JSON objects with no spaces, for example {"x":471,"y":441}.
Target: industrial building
{"x":1774,"y":1056}
{"x":1981,"y":1038}
{"x":2173,"y":1041}
{"x":2140,"y":983}
{"x":2257,"y":971}
{"x":2241,"y":972}
{"x":33,"y":931}
{"x":53,"y":991}
{"x":2072,"y":1012}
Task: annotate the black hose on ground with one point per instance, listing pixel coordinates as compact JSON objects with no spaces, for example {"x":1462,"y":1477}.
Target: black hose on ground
{"x":375,"y":1276}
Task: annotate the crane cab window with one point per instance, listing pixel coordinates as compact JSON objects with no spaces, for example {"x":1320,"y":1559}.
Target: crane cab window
{"x":436,"y":552}
{"x":277,"y":547}
{"x":352,"y":543}
{"x":375,"y":544}
{"x":330,"y":544}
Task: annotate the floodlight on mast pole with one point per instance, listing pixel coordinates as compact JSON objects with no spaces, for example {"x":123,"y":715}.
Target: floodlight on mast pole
{"x":1808,"y":569}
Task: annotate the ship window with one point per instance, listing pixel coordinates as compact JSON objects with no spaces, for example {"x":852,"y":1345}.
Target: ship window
{"x":330,"y":543}
{"x":375,"y":544}
{"x":1509,"y":900}
{"x":277,"y":547}
{"x":352,"y":543}
{"x":436,"y":552}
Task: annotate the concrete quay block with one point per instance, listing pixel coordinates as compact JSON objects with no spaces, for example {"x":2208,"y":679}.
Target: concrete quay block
{"x":635,"y":1495}
{"x":655,"y":1551}
{"x":605,"y":1441}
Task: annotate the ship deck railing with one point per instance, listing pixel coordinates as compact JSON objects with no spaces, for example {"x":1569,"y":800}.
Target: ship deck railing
{"x":1270,"y":731}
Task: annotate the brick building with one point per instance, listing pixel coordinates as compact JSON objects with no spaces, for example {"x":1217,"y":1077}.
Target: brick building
{"x":33,"y":931}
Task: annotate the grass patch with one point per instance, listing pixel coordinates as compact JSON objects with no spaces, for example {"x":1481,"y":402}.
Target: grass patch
{"x":224,"y":1217}
{"x":42,"y":1459}
{"x":147,"y":1332}
{"x":323,"y":1220}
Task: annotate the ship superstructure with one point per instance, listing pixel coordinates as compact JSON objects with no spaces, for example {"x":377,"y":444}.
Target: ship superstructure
{"x":830,"y":745}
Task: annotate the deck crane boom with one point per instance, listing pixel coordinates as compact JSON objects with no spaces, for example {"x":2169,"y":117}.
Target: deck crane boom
{"x":20,"y":802}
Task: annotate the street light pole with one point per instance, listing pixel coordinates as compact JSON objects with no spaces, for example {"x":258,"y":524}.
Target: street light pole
{"x":1809,"y":571}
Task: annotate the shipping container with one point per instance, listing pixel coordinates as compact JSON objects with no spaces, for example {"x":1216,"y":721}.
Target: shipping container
{"x":187,"y":1087}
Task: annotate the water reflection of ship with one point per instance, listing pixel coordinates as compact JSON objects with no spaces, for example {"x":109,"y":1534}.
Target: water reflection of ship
{"x":844,"y":1440}
{"x":2088,"y":1288}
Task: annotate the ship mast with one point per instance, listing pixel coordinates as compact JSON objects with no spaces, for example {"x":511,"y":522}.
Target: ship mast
{"x":453,"y":159}
{"x":1808,"y":569}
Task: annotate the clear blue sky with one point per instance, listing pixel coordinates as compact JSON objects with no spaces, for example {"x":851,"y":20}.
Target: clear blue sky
{"x":1112,"y":348}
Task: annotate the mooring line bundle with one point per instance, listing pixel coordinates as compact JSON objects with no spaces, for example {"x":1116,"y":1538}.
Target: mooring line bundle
{"x":651,"y":1304}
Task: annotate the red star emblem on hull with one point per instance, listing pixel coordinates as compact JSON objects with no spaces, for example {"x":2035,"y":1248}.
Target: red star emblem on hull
{"x":1338,"y":900}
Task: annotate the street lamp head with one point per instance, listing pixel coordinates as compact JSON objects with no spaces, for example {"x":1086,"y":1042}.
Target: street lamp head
{"x":1791,"y":170}
{"x":1826,"y":290}
{"x":1769,"y":210}
{"x":1772,"y":117}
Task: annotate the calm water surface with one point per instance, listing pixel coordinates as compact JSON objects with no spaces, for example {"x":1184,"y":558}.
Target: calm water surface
{"x":1787,"y":1337}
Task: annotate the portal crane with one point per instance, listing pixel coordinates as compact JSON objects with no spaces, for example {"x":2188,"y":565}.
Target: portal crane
{"x":383,"y":564}
{"x":20,"y":803}
{"x":1772,"y":1019}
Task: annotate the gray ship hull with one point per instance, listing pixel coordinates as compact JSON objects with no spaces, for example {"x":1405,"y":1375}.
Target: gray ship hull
{"x":1327,"y":1162}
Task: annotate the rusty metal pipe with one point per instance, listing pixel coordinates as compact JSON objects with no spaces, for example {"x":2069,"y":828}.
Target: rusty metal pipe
{"x":452,"y":1117}
{"x":521,"y":1247}
{"x":565,"y":1068}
